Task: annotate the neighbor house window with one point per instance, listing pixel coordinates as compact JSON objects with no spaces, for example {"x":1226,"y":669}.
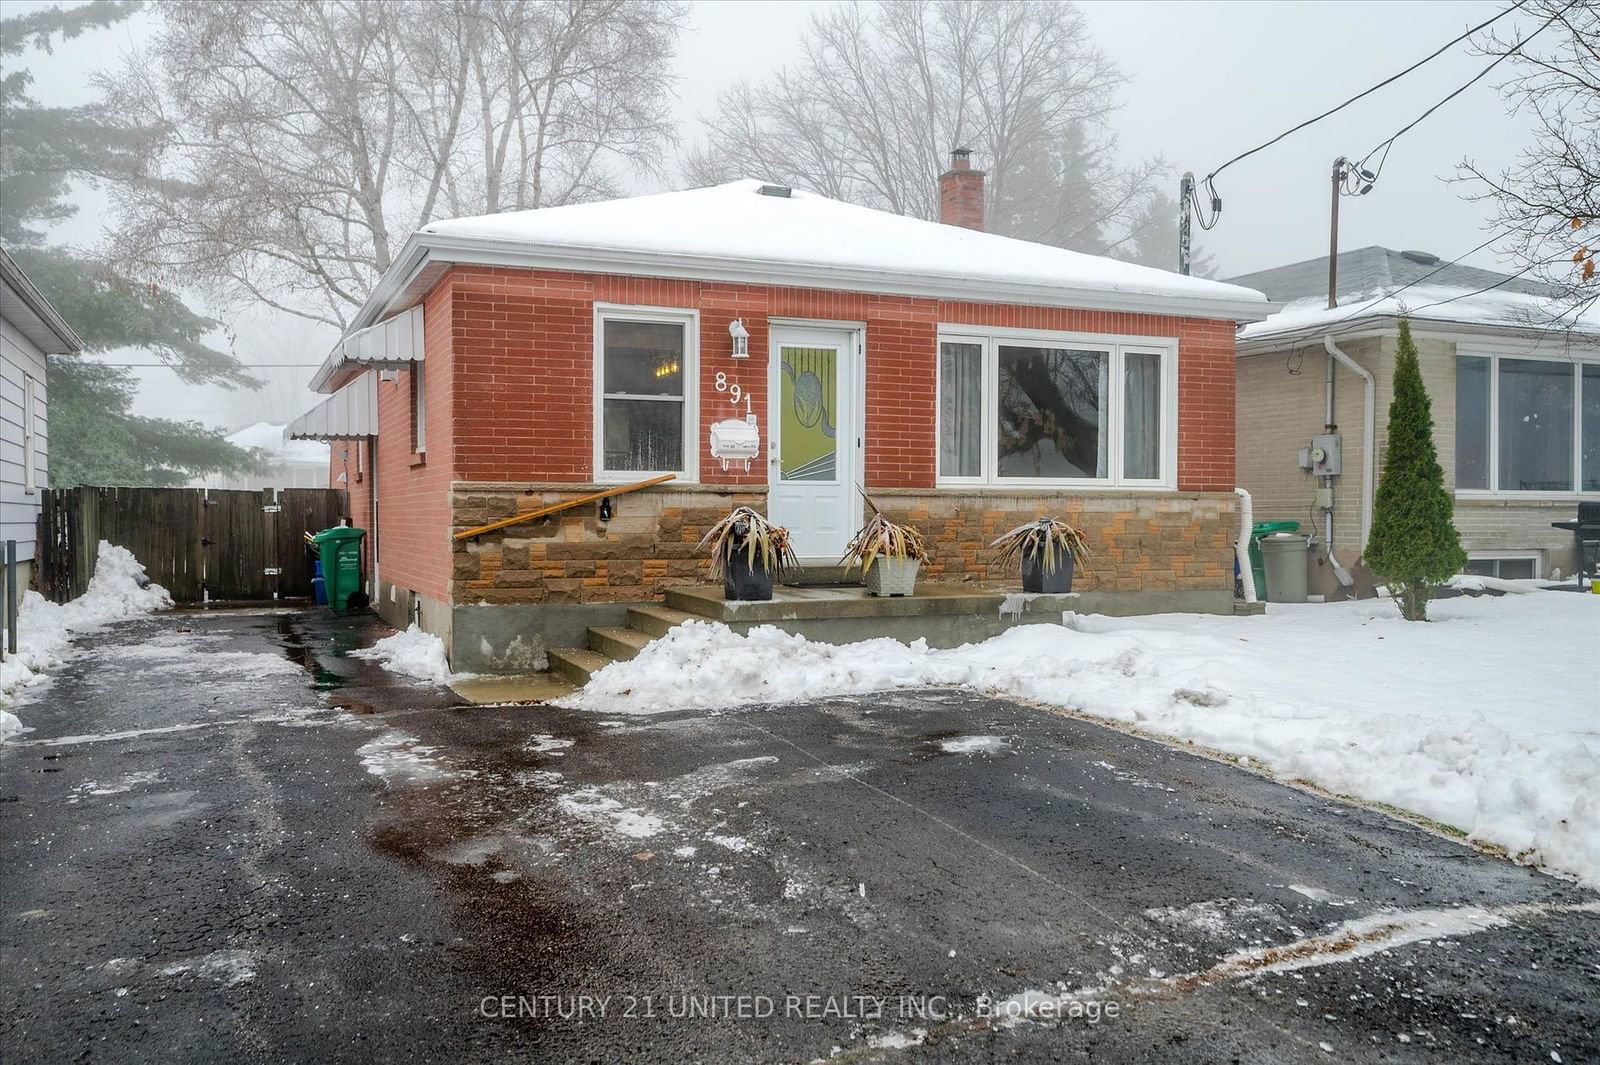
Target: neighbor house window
{"x":645,"y":369}
{"x":1527,"y":425}
{"x":1506,"y":567}
{"x":1052,"y":409}
{"x":30,"y":447}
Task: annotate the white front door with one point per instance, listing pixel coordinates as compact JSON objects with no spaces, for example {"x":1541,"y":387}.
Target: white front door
{"x":814,"y":430}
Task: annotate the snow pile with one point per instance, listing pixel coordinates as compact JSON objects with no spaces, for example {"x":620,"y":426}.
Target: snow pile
{"x":1486,"y":719}
{"x":413,"y":653}
{"x":119,"y":589}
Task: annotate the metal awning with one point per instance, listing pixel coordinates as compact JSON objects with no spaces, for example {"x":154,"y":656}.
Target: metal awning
{"x":393,"y":343}
{"x":348,"y":413}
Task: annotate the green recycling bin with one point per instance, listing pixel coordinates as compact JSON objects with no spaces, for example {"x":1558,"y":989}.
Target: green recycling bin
{"x":1258,"y":568}
{"x":340,"y":551}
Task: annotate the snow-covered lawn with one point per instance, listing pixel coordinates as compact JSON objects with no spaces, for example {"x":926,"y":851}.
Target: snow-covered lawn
{"x":45,"y":629}
{"x":1486,"y":719}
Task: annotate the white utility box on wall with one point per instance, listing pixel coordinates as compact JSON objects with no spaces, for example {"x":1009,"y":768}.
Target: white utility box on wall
{"x":735,"y":440}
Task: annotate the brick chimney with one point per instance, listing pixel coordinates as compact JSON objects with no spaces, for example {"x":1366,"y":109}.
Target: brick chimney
{"x":961,"y":192}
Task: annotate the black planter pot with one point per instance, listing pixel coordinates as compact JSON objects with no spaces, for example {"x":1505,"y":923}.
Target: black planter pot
{"x":742,"y":581}
{"x":1056,"y":582}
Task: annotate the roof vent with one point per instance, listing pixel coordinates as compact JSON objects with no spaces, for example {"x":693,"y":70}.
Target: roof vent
{"x":1426,"y":258}
{"x":781,"y":191}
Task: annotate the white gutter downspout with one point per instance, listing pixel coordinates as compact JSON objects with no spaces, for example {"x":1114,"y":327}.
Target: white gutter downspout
{"x":1241,"y":546}
{"x":1369,"y":453}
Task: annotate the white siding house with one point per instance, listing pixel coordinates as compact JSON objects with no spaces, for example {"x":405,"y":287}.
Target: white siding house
{"x":30,"y":329}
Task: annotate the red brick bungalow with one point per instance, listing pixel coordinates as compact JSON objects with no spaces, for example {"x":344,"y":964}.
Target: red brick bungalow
{"x":968,"y":381}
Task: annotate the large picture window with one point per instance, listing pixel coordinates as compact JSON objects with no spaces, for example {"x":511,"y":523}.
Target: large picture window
{"x":645,"y":371}
{"x":1527,"y":425}
{"x":1047,"y":409}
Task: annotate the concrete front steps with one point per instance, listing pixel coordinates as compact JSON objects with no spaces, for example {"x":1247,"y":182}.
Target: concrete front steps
{"x":609,"y":644}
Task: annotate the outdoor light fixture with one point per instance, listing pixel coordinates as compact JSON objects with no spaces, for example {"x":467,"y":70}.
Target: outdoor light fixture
{"x":741,"y":338}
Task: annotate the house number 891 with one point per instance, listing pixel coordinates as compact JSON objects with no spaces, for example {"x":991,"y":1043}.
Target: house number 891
{"x":736,"y":394}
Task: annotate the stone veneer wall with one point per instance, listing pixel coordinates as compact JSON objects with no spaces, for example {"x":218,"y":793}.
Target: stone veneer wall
{"x":1140,"y":541}
{"x":573,"y":557}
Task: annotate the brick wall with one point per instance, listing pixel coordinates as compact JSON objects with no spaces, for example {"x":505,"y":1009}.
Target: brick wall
{"x":414,"y":490}
{"x":509,"y":374}
{"x":1138,"y":541}
{"x":524,"y":346}
{"x":352,"y":459}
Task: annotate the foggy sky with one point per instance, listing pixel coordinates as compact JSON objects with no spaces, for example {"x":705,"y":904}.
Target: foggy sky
{"x":1207,"y":81}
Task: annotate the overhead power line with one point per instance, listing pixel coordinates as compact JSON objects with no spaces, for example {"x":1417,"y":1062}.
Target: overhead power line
{"x":1209,"y":180}
{"x":1384,"y":146}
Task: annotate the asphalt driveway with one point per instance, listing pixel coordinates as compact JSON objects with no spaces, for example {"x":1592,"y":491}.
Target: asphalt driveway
{"x":227,"y":840}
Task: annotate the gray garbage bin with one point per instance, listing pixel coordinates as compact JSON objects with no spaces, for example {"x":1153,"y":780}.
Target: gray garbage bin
{"x":1284,"y":556}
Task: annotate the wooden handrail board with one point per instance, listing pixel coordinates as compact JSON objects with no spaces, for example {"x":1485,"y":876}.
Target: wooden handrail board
{"x":566,"y":504}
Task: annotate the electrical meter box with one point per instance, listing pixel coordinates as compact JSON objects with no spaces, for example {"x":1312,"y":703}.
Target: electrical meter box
{"x":735,"y":440}
{"x":1326,"y":458}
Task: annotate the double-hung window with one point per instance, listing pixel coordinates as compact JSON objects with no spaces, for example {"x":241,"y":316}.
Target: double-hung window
{"x":645,"y":375}
{"x":1527,"y":425}
{"x":1056,"y":410}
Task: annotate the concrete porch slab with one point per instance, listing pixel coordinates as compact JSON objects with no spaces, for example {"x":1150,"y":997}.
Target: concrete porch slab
{"x":790,"y":603}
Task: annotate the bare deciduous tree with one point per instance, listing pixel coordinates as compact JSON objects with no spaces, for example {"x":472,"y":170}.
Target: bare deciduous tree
{"x":883,"y":92}
{"x":1547,"y":204}
{"x":297,"y":145}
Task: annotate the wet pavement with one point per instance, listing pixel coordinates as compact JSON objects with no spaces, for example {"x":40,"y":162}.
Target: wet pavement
{"x":226,"y":840}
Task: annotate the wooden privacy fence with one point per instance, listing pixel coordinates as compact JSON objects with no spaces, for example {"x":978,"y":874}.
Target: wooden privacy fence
{"x":201,"y":544}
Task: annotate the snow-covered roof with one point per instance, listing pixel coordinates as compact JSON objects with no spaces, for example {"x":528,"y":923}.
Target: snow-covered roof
{"x":753,"y":233}
{"x":1381,"y":283}
{"x":272,"y":440}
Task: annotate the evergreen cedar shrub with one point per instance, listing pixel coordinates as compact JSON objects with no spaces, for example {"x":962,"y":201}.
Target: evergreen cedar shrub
{"x":1414,"y":544}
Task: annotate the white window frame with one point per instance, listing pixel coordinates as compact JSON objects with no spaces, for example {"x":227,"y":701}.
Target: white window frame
{"x":690,"y":320}
{"x":30,"y":432}
{"x":1116,"y":348}
{"x":419,"y":410}
{"x":1494,"y":353}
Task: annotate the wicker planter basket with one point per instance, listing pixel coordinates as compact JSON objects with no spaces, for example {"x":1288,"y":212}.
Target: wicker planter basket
{"x":893,"y":576}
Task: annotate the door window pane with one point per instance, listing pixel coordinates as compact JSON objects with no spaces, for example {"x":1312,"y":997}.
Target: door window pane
{"x":1141,"y":428}
{"x":1472,"y":422}
{"x":960,"y":410}
{"x":1535,"y":426}
{"x":808,"y":445}
{"x":1052,"y":412}
{"x":1591,"y":427}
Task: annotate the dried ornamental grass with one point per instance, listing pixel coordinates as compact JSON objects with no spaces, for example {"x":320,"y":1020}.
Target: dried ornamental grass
{"x":882,"y":538}
{"x":1047,"y":538}
{"x":765,"y":545}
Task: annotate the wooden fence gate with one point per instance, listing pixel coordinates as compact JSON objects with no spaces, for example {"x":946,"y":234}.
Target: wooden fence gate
{"x":201,"y":544}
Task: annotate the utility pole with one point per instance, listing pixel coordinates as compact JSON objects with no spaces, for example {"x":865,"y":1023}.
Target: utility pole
{"x":1185,"y":209}
{"x":1333,"y":233}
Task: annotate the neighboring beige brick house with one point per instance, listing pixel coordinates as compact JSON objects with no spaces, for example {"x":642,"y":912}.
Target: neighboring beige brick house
{"x":1516,"y":407}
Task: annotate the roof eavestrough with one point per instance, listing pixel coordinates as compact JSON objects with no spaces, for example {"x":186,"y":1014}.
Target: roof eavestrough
{"x":349,"y":413}
{"x":25,"y":307}
{"x":393,"y":343}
